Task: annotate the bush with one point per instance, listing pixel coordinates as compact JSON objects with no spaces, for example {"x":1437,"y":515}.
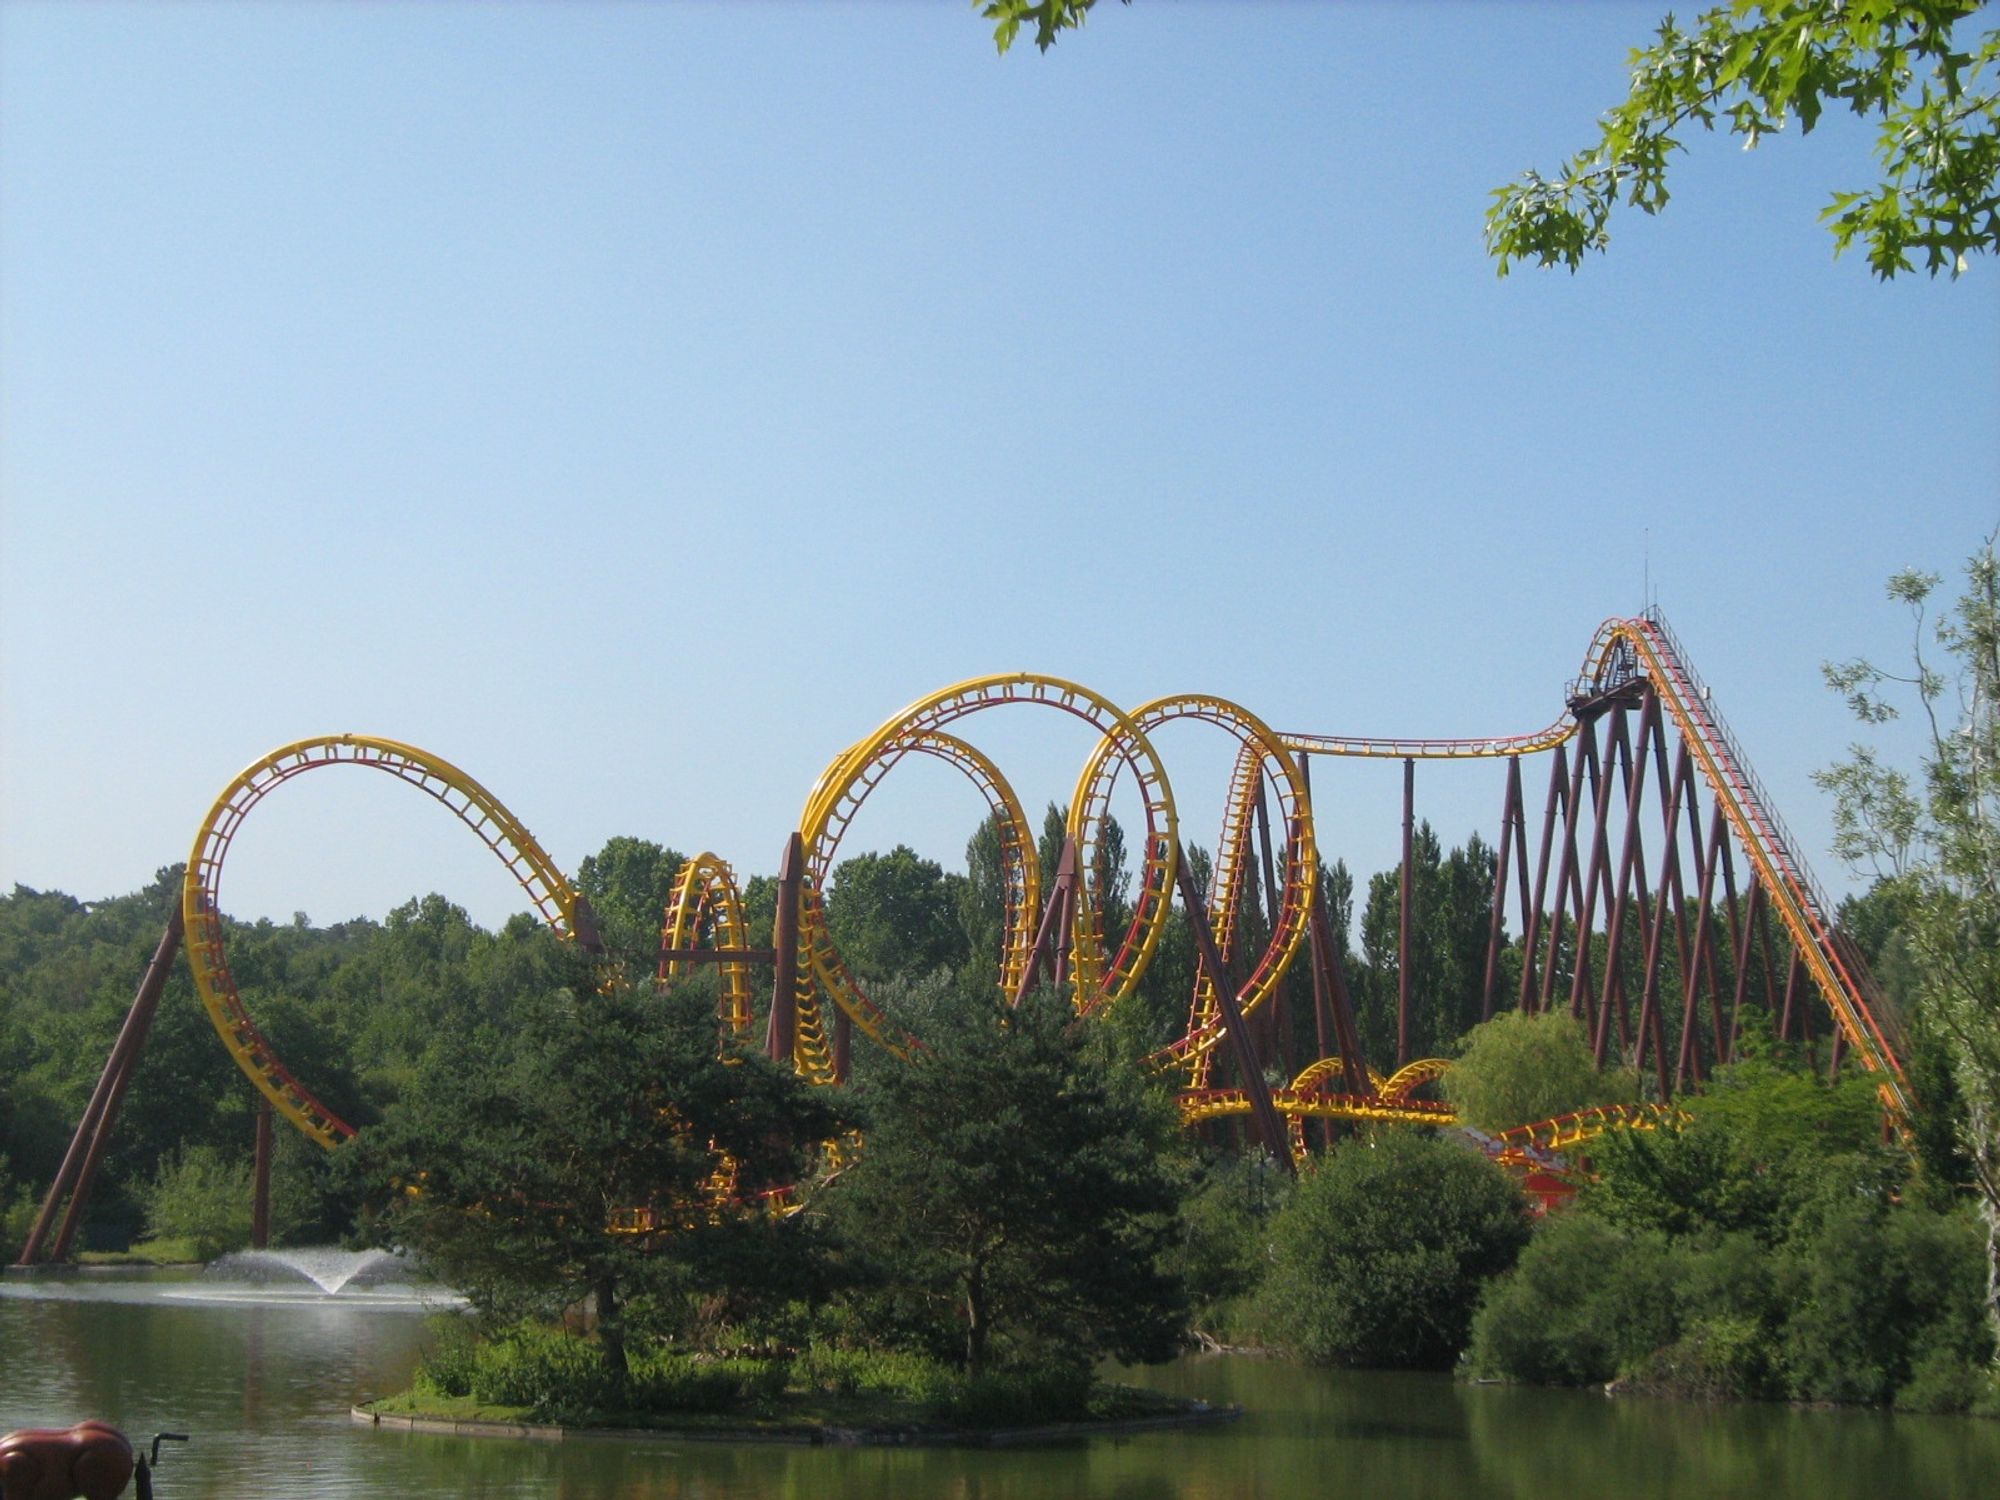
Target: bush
{"x":559,"y":1377}
{"x":836,"y":1371}
{"x":1380,"y":1256}
{"x":200,"y":1197}
{"x":1222,"y":1251}
{"x":1013,"y":1398}
{"x":1587,"y":1301}
{"x":1518,"y":1068}
{"x":1864,"y":1303}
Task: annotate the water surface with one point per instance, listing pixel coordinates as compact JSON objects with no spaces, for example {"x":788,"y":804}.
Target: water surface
{"x":263,"y":1376}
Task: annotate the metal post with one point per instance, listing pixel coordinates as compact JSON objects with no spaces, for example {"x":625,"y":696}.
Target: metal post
{"x":1786,"y":1023}
{"x":1281,"y":1017}
{"x":1052,"y":935}
{"x":1403,"y":919}
{"x":1511,"y":834}
{"x":260,"y":1188}
{"x":1531,"y":921}
{"x":1614,"y":932}
{"x":782,"y":1032}
{"x":1600,"y":865}
{"x":1746,"y":933}
{"x":1262,"y":1110}
{"x":1566,"y":881}
{"x":79,"y":1163}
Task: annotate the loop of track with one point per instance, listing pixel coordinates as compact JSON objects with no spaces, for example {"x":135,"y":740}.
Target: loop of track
{"x":1260,"y":756}
{"x":201,"y":900}
{"x":846,"y":783}
{"x":1624,"y":651}
{"x":706,"y":899}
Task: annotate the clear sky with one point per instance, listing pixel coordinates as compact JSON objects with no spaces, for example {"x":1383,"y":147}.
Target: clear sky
{"x":635,"y":404}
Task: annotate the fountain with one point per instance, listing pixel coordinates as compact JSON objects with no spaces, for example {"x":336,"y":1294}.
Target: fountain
{"x":317,"y":1276}
{"x":326,"y":1266}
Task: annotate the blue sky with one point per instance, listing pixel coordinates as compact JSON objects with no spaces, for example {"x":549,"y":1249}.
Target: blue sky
{"x":635,"y":404}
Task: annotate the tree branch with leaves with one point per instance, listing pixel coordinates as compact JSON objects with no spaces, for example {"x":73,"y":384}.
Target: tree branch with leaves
{"x":1936,"y":838}
{"x":1752,"y":69}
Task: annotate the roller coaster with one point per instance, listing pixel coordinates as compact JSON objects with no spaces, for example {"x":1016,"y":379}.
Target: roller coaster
{"x":1638,"y":746}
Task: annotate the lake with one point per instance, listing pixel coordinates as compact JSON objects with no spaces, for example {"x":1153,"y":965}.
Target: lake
{"x":262,"y":1377}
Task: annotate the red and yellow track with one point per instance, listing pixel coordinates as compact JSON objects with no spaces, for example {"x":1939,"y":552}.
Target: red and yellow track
{"x":1102,"y":967}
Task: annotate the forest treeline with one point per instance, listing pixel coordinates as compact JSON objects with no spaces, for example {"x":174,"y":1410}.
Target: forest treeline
{"x":355,"y":1007}
{"x":1775,"y":1247}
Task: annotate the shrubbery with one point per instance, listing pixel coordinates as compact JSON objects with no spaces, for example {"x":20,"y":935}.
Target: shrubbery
{"x":1381,"y":1254}
{"x":1767,"y":1250}
{"x":203,"y":1199}
{"x":558,"y":1377}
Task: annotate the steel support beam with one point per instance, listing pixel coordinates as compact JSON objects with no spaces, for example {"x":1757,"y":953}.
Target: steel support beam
{"x":1270,"y":1128}
{"x":781,"y":1034}
{"x":86,"y":1146}
{"x":1403,"y":917}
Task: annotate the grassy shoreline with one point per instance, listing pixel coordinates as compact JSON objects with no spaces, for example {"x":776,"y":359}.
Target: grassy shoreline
{"x":795,"y":1417}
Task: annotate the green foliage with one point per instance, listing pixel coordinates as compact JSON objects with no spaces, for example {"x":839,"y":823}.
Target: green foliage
{"x":1935,"y":841}
{"x":1012,"y":1202}
{"x":1223,"y":1252}
{"x":1766,"y":1250}
{"x":1518,"y":1068}
{"x":896,"y":913}
{"x":1450,"y":918}
{"x":1586,"y":1300}
{"x":1921,"y":71}
{"x":1380,"y":1256}
{"x":1047,"y":16}
{"x":17,"y":1214}
{"x":509,"y":1170}
{"x":629,"y":883}
{"x":560,"y":1377}
{"x":201,"y":1197}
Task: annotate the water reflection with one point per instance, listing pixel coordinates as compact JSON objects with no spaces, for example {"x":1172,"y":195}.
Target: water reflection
{"x":264,"y":1385}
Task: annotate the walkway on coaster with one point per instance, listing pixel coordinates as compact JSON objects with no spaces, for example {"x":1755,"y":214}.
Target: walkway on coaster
{"x":1060,"y":935}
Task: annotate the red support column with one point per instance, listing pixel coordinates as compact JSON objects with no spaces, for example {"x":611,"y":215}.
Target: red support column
{"x":86,"y":1147}
{"x":1269,"y":1128}
{"x":1512,"y":836}
{"x":1531,"y":921}
{"x":1580,"y":994}
{"x":1281,"y":1015}
{"x":1052,"y":936}
{"x":1746,"y":932}
{"x":260,"y":1182}
{"x":782,"y":1033}
{"x":1614,"y":936}
{"x":1566,"y":881}
{"x":1403,"y":919}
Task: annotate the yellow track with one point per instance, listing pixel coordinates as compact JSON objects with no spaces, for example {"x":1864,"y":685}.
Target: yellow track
{"x":846,"y":783}
{"x":1260,"y":753}
{"x":1624,"y":650}
{"x":201,"y":900}
{"x":706,"y":895}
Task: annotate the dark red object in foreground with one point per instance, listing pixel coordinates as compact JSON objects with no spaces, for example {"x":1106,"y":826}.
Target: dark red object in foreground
{"x":55,"y":1463}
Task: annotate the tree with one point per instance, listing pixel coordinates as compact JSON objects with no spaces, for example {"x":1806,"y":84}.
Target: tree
{"x":1917,"y":69}
{"x":1013,"y":1195}
{"x":1048,"y":17}
{"x":629,"y":883}
{"x":1379,"y":1258}
{"x":517,"y":1177}
{"x":1519,"y":1068}
{"x":1755,"y":66}
{"x":1937,"y":840}
{"x":202,"y":1198}
{"x":1450,"y":920}
{"x":895,"y":913}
